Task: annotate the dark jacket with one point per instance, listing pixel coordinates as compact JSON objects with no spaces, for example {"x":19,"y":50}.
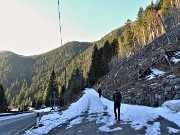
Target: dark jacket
{"x":99,"y":90}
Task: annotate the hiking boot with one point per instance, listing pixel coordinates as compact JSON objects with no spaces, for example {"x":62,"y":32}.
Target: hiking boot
{"x":115,"y":118}
{"x":118,"y":119}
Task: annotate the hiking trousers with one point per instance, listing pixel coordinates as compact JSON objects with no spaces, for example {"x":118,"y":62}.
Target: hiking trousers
{"x":99,"y":94}
{"x":117,"y":105}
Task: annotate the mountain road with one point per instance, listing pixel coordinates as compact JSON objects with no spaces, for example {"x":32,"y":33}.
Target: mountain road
{"x":18,"y":125}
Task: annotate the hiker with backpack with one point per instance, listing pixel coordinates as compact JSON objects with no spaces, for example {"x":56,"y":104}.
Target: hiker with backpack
{"x":99,"y":91}
{"x":117,"y":103}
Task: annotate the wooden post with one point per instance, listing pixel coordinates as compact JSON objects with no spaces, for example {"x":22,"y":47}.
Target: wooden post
{"x":37,"y":122}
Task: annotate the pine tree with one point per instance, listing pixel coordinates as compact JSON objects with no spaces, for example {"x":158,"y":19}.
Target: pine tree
{"x":3,"y":101}
{"x":52,"y":87}
{"x":115,"y":48}
{"x":76,"y":85}
{"x":140,"y":14}
{"x":94,"y":70}
{"x":2,"y":95}
{"x":128,"y":36}
{"x":159,"y":4}
{"x":140,"y":27}
{"x":105,"y":55}
{"x":107,"y":50}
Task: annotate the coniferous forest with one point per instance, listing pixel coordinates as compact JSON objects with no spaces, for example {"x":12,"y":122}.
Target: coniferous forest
{"x":38,"y":80}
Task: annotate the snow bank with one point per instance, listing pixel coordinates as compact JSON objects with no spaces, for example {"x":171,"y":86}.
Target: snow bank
{"x":173,"y":105}
{"x":84,"y":104}
{"x":139,"y":115}
{"x":169,"y":111}
{"x":101,"y":110}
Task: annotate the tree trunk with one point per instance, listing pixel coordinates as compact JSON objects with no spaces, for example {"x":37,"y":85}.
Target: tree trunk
{"x":144,"y":37}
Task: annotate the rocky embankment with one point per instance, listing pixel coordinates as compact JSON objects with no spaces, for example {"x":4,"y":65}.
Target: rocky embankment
{"x":133,"y":76}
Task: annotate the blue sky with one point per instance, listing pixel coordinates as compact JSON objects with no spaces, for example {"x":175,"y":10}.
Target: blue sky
{"x":30,"y":27}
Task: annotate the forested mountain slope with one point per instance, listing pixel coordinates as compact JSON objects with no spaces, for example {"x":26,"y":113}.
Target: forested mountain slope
{"x":25,"y":78}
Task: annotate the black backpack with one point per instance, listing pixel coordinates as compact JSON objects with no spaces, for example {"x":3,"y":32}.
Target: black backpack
{"x":118,"y":96}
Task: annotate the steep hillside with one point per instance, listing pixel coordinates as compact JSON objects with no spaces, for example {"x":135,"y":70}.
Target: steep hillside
{"x":135,"y":76}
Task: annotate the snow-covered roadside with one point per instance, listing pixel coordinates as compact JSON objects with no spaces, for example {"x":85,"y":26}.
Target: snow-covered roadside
{"x":137,"y":116}
{"x":15,"y":116}
{"x":48,"y":109}
{"x":24,"y":114}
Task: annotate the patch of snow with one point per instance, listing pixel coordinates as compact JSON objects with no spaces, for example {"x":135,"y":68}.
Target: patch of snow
{"x":177,"y":53}
{"x":107,"y":129}
{"x":129,"y":90}
{"x":79,"y":131}
{"x":171,"y":76}
{"x":149,"y":77}
{"x":153,"y":129}
{"x":153,"y":84}
{"x":91,"y":118}
{"x":173,"y":130}
{"x":138,"y":115}
{"x":174,"y":60}
{"x":48,"y":109}
{"x":155,"y":72}
{"x":75,"y":122}
{"x":168,"y":114}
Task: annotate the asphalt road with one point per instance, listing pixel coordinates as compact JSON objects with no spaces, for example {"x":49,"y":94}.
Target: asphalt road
{"x":17,"y":126}
{"x":92,"y":128}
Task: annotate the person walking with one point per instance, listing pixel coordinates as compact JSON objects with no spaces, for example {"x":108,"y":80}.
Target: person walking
{"x":99,"y":91}
{"x":117,"y":103}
